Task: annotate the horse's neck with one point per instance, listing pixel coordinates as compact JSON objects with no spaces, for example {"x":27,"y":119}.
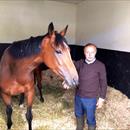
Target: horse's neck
{"x":33,"y":63}
{"x":37,"y":61}
{"x":27,"y":64}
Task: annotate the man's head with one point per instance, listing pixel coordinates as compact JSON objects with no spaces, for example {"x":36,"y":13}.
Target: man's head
{"x":90,"y":51}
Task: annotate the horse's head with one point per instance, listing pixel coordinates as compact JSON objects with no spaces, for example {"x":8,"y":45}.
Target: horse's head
{"x":56,"y":55}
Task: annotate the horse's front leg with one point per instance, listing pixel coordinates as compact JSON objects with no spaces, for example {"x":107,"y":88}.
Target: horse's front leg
{"x":39,"y":85}
{"x":7,"y":101}
{"x":9,"y":115}
{"x":29,"y":116}
{"x":38,"y":81}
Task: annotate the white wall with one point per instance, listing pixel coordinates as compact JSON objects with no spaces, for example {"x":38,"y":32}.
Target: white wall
{"x":105,"y":23}
{"x":22,"y":19}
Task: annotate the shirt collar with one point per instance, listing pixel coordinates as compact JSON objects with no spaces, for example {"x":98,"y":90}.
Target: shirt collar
{"x":90,"y":62}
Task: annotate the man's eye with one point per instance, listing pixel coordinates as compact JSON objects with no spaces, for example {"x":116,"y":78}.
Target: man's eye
{"x":58,"y":52}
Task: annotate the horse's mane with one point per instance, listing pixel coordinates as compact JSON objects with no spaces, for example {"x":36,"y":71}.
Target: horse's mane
{"x":26,"y":48}
{"x":31,"y":46}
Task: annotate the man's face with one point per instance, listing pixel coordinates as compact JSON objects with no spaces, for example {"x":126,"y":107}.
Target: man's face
{"x":90,"y":52}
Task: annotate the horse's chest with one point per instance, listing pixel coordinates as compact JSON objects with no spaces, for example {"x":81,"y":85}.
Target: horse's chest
{"x":17,"y":90}
{"x":16,"y":86}
{"x":13,"y":88}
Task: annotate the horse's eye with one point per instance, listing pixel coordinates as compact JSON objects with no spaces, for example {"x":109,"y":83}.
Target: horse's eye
{"x":58,"y":52}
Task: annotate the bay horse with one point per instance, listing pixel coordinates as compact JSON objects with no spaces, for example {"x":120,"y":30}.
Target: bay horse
{"x":21,"y":58}
{"x":37,"y":74}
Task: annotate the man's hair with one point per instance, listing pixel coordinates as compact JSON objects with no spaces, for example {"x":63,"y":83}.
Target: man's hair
{"x":90,"y":44}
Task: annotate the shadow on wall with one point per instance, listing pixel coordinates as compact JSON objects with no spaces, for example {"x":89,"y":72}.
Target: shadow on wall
{"x":117,"y":66}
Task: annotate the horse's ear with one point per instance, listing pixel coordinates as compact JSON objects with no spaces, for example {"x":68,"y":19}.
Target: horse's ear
{"x":63,"y":32}
{"x":50,"y":28}
{"x":53,"y":36}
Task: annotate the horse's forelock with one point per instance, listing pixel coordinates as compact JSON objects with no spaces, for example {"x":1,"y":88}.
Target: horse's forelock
{"x":60,"y":40}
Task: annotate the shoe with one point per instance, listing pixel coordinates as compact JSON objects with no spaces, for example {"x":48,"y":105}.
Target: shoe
{"x":80,"y":123}
{"x":91,"y":127}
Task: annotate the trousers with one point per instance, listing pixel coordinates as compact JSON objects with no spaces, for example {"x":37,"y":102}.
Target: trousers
{"x":86,"y":106}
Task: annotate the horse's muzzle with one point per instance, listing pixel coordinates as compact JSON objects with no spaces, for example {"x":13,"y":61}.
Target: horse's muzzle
{"x":67,"y":85}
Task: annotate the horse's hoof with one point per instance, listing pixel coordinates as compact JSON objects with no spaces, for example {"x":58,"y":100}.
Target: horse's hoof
{"x":21,"y":105}
{"x":42,"y":100}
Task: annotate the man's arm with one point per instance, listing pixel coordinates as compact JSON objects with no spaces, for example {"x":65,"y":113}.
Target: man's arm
{"x":103,"y":87}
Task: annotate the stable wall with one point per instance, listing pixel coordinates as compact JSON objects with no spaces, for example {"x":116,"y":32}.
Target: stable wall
{"x":105,"y":23}
{"x":22,"y":19}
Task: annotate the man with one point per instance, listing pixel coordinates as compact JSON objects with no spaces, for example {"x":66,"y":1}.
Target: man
{"x":91,"y":91}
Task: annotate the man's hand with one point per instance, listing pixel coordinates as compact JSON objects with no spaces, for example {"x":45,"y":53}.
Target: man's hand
{"x":100,"y":103}
{"x":65,"y":86}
